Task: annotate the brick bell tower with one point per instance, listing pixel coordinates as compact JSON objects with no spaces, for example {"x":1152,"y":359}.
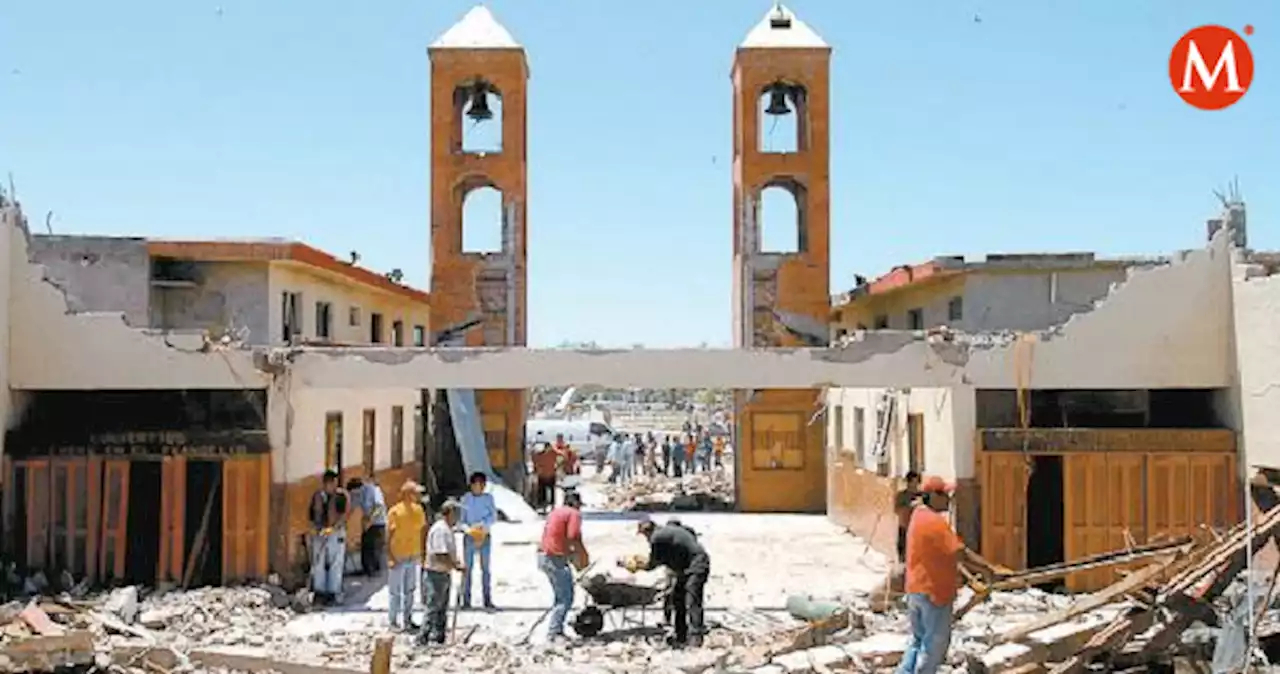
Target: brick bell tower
{"x":479,"y":79}
{"x":781,"y":295}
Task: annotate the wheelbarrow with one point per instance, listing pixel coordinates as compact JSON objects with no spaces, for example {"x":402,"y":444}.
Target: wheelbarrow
{"x":616,"y":604}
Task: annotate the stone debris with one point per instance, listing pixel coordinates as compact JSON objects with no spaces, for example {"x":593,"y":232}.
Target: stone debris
{"x":708,"y":491}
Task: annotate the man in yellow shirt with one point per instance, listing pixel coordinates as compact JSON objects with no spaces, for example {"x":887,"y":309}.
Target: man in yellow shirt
{"x":406,"y":532}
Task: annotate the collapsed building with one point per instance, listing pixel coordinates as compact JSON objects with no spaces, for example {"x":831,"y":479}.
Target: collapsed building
{"x":1131,"y":398}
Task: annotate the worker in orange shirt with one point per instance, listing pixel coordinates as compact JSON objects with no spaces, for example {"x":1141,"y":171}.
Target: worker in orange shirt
{"x":690,"y":450}
{"x":545,"y":461}
{"x":719,"y":451}
{"x":568,"y":457}
{"x":933,"y":575}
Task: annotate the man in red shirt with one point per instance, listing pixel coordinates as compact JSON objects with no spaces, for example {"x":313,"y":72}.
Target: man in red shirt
{"x":933,"y":575}
{"x":561,"y":542}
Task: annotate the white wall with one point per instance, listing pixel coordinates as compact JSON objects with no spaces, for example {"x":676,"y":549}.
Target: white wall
{"x":1257,"y":338}
{"x":50,"y":348}
{"x":947,"y":413}
{"x":302,"y":453}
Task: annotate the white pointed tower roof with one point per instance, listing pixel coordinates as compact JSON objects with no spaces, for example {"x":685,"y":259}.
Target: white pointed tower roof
{"x":781,"y":29}
{"x":477,"y":30}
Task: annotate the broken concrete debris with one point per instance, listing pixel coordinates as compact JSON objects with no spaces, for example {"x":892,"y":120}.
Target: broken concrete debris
{"x":1142,"y":620}
{"x":710,"y":491}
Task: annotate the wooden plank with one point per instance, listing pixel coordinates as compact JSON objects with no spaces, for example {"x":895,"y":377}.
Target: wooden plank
{"x":173,"y":515}
{"x":115,"y":522}
{"x":94,"y":533}
{"x":381,"y":663}
{"x":1112,"y":594}
{"x":39,"y":496}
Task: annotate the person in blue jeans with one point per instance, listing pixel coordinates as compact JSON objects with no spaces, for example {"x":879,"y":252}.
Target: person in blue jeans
{"x":479,"y":513}
{"x":561,"y":542}
{"x":933,"y":574}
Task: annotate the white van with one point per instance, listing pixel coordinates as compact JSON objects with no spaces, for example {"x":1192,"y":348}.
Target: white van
{"x":583,"y":435}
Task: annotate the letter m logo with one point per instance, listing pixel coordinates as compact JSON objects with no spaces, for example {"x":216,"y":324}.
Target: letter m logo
{"x":1211,"y":67}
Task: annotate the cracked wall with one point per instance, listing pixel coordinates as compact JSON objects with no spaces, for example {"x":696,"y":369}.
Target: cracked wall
{"x":1256,"y":308}
{"x":52,"y":347}
{"x":98,"y":273}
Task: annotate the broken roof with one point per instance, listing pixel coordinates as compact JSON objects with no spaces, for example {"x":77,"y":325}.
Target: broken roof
{"x":949,"y":266}
{"x":478,"y":29}
{"x":780,"y":28}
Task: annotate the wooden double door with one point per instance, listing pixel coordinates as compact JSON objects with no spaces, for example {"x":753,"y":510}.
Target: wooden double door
{"x":75,"y":515}
{"x":1110,"y":500}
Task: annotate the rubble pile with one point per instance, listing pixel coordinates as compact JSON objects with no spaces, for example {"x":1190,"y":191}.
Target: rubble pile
{"x":711,"y":491}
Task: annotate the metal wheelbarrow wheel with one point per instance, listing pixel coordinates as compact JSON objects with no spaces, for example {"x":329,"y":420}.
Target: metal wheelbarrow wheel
{"x":589,"y":621}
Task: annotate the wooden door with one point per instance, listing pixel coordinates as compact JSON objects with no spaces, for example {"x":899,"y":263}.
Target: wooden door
{"x":1004,"y":508}
{"x":1105,"y":510}
{"x":1188,"y":490}
{"x":38,"y":500}
{"x":369,"y":440}
{"x":333,"y":441}
{"x":246,"y":485}
{"x":70,"y":502}
{"x":173,"y":518}
{"x":915,"y":442}
{"x":115,"y":519}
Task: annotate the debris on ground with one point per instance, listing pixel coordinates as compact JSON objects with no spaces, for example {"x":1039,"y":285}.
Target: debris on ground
{"x":707,"y":491}
{"x":1180,"y":602}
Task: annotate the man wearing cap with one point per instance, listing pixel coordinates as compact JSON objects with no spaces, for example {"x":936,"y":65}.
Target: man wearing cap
{"x":676,"y":547}
{"x":933,"y":575}
{"x":406,"y":533}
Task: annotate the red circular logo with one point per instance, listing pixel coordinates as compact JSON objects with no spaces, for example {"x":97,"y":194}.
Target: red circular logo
{"x":1211,"y":67}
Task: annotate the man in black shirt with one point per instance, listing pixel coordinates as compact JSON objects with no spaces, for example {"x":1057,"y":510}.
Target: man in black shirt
{"x":676,"y":547}
{"x":903,"y":505}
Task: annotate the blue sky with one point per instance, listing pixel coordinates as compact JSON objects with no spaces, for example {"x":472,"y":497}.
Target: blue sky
{"x":1043,"y":126}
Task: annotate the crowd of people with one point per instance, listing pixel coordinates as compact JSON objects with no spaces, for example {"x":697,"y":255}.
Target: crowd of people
{"x":403,"y":542}
{"x":631,"y":455}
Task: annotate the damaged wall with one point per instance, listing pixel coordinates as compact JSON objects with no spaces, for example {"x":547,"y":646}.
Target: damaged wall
{"x":226,"y":298}
{"x":98,"y":273}
{"x":1256,"y":300}
{"x":53,"y":348}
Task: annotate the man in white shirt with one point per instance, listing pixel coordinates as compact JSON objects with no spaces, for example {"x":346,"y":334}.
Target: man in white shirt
{"x":442,"y":561}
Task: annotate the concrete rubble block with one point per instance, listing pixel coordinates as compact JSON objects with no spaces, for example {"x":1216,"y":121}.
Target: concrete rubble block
{"x":769,"y":669}
{"x":796,"y":662}
{"x":259,"y":660}
{"x":826,"y":657}
{"x":1052,"y":644}
{"x":877,"y":650}
{"x":42,"y":654}
{"x":123,"y":602}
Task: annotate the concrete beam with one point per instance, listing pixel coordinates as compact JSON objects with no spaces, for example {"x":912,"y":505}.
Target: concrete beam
{"x":881,"y":359}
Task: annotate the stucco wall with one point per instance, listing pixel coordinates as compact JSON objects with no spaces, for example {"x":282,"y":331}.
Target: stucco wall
{"x":228,"y":298}
{"x":1257,"y":339}
{"x":304,"y":456}
{"x":1032,"y":300}
{"x":52,"y":348}
{"x":319,"y":286}
{"x":947,"y":415}
{"x":98,"y":273}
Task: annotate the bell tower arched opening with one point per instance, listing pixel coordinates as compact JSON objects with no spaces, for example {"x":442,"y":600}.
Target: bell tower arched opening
{"x":477,"y":105}
{"x":782,"y":218}
{"x":482,"y":219}
{"x":782,"y":112}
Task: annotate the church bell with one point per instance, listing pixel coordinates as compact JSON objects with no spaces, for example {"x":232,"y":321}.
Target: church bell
{"x":478,"y":108}
{"x":778,"y":101}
